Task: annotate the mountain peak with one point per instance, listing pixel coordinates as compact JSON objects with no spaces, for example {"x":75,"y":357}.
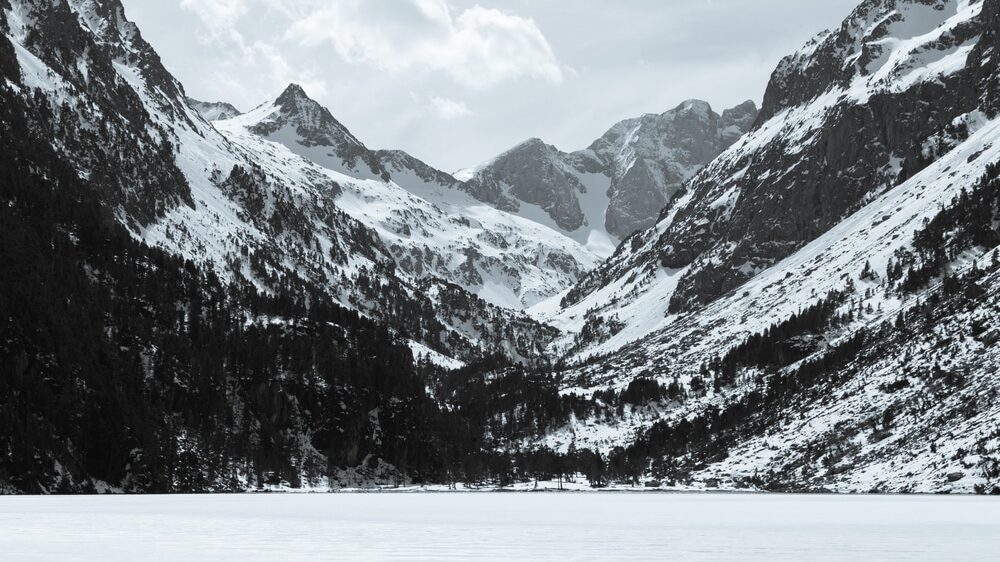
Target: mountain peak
{"x":531,"y":145}
{"x":293,"y":93}
{"x":742,"y":116}
{"x":694,"y":105}
{"x":746,"y":106}
{"x":532,"y":142}
{"x":314,"y":133}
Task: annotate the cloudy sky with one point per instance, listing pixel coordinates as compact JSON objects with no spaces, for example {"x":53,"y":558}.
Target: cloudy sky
{"x":455,"y":82}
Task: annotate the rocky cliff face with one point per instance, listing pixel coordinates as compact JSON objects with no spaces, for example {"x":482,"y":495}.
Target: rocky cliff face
{"x":650,"y":158}
{"x":399,"y":162}
{"x":619,"y":184}
{"x":537,"y":174}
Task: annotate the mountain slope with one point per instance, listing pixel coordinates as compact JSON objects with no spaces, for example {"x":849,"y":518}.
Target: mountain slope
{"x":805,"y":167}
{"x":124,"y":368}
{"x":794,"y":249}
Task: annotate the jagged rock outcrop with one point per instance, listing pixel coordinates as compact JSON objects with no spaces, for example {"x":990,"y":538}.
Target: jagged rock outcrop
{"x":534,"y":173}
{"x":318,"y":135}
{"x":650,"y":158}
{"x":619,"y":184}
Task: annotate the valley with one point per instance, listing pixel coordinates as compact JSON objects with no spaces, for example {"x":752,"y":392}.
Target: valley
{"x":800,"y":296}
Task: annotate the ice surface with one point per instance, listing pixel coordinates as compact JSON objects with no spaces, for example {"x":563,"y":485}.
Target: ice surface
{"x":457,"y":526}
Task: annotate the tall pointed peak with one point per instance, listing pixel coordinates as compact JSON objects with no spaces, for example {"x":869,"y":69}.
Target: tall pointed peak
{"x":292,"y":93}
{"x":315,"y":126}
{"x":294,"y":89}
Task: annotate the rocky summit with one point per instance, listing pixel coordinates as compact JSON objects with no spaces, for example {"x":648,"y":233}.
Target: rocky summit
{"x":618,"y":185}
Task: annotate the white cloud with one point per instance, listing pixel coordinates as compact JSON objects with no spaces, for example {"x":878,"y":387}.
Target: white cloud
{"x":218,"y":17}
{"x":220,"y":21}
{"x":282,"y":73}
{"x":449,"y":109}
{"x":479,"y":47}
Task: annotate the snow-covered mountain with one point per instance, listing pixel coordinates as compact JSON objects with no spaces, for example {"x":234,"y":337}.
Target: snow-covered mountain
{"x":311,"y":131}
{"x":801,"y":240}
{"x":807,"y":166}
{"x":618,"y":185}
{"x":256,"y":210}
{"x":433,"y":229}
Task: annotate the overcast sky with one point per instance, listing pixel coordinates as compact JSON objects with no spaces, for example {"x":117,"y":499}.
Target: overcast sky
{"x":455,"y":82}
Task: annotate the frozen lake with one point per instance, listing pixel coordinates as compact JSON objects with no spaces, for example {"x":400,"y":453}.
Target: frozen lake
{"x":578,"y":526}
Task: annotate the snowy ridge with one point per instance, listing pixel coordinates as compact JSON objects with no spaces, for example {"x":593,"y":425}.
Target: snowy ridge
{"x":432,"y":229}
{"x":872,"y":235}
{"x":311,"y":131}
{"x":883,"y":45}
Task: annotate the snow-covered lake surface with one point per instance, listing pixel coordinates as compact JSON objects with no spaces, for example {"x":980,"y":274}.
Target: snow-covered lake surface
{"x":541,"y":526}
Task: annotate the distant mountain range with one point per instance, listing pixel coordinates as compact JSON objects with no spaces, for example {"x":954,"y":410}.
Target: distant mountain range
{"x":595,"y":196}
{"x":618,"y":185}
